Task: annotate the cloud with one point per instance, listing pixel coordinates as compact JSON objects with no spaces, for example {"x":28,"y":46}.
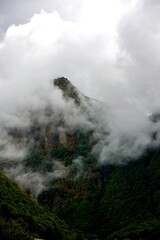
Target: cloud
{"x":36,"y":181}
{"x":120,"y":69}
{"x":48,"y":47}
{"x":138,"y":36}
{"x":124,"y":136}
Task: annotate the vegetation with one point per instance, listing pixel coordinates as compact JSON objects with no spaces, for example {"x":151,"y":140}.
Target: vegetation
{"x":21,"y":217}
{"x":111,"y":202}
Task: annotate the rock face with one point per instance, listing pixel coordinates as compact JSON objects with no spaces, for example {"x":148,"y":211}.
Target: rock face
{"x":68,"y":90}
{"x":155,"y":117}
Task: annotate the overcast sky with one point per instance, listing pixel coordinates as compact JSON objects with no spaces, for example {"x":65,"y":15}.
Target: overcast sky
{"x":109,"y":49}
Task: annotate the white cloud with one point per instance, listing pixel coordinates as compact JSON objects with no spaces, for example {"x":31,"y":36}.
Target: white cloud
{"x":139,"y":35}
{"x":47,"y":47}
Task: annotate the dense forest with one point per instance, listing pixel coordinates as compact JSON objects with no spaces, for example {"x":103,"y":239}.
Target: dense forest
{"x":112,"y":202}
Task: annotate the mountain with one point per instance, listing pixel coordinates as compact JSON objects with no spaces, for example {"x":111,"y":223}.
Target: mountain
{"x":68,"y":90}
{"x":61,"y":169}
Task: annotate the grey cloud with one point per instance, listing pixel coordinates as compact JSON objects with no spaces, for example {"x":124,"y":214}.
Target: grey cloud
{"x":140,"y":51}
{"x":35,"y":181}
{"x":129,"y":134}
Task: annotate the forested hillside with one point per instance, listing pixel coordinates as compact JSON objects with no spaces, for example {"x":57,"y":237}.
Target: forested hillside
{"x":21,"y":217}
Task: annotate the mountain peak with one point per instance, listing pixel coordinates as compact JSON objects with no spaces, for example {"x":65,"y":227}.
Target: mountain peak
{"x":69,"y":91}
{"x":62,"y":82}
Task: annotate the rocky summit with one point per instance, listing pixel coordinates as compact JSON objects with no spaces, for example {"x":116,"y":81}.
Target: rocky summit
{"x":68,"y":90}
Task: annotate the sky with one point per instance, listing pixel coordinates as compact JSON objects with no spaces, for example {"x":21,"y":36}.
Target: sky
{"x":108,"y":49}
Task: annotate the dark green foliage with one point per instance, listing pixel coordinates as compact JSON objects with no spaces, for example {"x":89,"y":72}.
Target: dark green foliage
{"x":147,"y":230}
{"x":120,"y":202}
{"x":127,"y":196}
{"x":13,"y":230}
{"x":20,"y":212}
{"x":80,"y":146}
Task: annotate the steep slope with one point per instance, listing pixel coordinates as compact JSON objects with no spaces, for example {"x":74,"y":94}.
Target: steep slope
{"x":70,"y":92}
{"x":21,"y":217}
{"x":113,"y":202}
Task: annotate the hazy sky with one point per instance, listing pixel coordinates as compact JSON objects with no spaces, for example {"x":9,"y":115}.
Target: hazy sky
{"x":108,"y":49}
{"x":19,"y":11}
